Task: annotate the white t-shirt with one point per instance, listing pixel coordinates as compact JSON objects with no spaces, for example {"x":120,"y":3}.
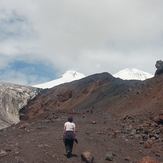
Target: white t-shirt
{"x":69,"y":126}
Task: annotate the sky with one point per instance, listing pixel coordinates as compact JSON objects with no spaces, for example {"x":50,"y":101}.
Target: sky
{"x":41,"y":39}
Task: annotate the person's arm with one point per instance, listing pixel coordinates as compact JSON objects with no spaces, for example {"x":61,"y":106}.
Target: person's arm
{"x":75,"y":139}
{"x":64,"y":128}
{"x":74,"y":128}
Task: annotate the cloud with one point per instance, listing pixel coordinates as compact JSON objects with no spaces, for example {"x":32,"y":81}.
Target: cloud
{"x":129,"y":29}
{"x":88,"y":36}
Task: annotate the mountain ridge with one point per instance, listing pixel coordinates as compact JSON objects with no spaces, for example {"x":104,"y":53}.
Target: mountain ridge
{"x":71,"y":75}
{"x":95,"y":91}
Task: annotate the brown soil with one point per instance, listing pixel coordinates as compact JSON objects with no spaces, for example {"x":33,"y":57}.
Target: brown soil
{"x":41,"y":141}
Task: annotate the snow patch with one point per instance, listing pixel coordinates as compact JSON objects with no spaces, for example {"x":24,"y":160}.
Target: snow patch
{"x":132,"y":74}
{"x":68,"y":76}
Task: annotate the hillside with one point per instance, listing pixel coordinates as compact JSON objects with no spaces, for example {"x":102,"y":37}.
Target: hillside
{"x":99,"y":93}
{"x":113,"y":117}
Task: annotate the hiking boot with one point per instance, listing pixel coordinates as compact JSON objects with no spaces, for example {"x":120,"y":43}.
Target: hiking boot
{"x":68,"y":154}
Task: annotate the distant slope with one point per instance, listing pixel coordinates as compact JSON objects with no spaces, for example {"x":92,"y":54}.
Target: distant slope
{"x":13,"y":98}
{"x":94,"y":92}
{"x":68,"y":76}
{"x":132,"y":74}
{"x":99,"y":93}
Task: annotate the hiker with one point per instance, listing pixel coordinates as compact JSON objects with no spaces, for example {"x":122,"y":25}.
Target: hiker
{"x":69,"y":136}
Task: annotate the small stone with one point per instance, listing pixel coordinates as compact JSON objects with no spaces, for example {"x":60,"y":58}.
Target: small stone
{"x":3,"y":153}
{"x":40,"y":145}
{"x":23,"y":125}
{"x":157,"y":155}
{"x":157,"y":136}
{"x":109,"y":156}
{"x":17,"y":152}
{"x":93,"y":122}
{"x":137,"y":136}
{"x":127,"y":158}
{"x":126,"y":140}
{"x":87,"y":133}
{"x":133,"y":132}
{"x":153,"y":138}
{"x":101,"y":133}
{"x":148,"y":143}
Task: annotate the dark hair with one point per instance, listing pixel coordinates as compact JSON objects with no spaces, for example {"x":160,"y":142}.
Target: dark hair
{"x":70,"y":119}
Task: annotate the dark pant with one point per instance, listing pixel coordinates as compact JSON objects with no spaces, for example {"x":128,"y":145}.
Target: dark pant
{"x":69,"y":141}
{"x":69,"y":145}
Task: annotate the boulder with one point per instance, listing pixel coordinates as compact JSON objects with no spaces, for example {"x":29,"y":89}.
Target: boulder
{"x":148,"y":159}
{"x":159,"y":66}
{"x":159,"y":119}
{"x":87,"y":157}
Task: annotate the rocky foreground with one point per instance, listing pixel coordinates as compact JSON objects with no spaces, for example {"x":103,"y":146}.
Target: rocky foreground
{"x":106,"y":137}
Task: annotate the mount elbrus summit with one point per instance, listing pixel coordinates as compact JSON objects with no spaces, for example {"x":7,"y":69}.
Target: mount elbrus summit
{"x":117,"y":121}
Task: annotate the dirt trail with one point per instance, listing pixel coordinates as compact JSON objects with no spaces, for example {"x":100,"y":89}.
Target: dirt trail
{"x":40,"y":141}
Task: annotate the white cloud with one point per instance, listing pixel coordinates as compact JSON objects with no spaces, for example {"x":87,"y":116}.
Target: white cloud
{"x":89,"y":36}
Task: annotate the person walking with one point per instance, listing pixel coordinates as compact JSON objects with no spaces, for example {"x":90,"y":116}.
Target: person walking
{"x":69,"y":136}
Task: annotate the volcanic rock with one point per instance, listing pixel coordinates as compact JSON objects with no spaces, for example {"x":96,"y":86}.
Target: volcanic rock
{"x":159,"y":66}
{"x":3,"y":153}
{"x":93,"y":122}
{"x":148,"y":144}
{"x":148,"y":159}
{"x":87,"y":157}
{"x":127,"y":158}
{"x":159,"y":119}
{"x":109,"y":156}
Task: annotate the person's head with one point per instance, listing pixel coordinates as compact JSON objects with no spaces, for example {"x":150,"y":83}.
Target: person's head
{"x":70,"y":119}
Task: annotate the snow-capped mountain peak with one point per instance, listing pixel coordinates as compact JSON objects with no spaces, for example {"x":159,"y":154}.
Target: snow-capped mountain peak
{"x":68,"y":76}
{"x":72,"y":74}
{"x":132,"y":74}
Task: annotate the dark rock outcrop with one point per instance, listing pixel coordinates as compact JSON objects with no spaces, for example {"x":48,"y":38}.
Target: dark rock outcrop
{"x":159,"y":119}
{"x":159,"y":66}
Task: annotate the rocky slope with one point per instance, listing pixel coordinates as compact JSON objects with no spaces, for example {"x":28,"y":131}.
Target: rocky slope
{"x":12,"y":99}
{"x":99,"y":92}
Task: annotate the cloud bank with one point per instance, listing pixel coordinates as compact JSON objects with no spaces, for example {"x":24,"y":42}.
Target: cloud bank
{"x":88,"y":36}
